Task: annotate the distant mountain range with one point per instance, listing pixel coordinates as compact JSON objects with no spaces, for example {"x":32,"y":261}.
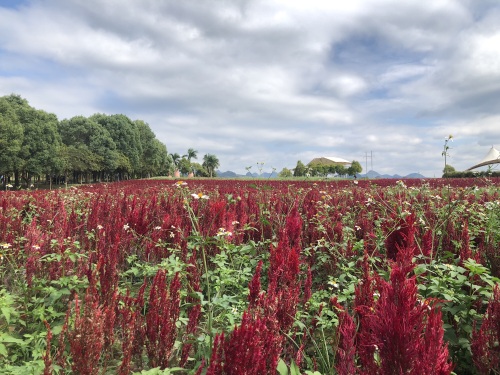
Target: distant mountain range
{"x":370,"y":174}
{"x":373,"y":174}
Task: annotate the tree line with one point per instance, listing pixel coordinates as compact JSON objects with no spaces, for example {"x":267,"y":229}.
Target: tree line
{"x":322,"y":170}
{"x":35,"y":145}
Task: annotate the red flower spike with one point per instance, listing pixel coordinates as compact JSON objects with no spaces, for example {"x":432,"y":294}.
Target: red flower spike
{"x":485,"y":348}
{"x":163,"y":313}
{"x":346,"y":350}
{"x":47,"y":360}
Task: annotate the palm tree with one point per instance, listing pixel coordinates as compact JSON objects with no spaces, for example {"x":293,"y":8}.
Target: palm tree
{"x":210,"y":163}
{"x":175,"y":159}
{"x":191,"y":154}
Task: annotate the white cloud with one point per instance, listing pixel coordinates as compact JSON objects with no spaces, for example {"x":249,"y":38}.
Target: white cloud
{"x":281,"y":80}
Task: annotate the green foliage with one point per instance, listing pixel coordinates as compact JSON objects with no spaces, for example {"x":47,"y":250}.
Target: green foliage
{"x":300,"y":170}
{"x":319,"y":170}
{"x":191,"y":154}
{"x":125,"y":134}
{"x":464,"y":293}
{"x":154,"y":158}
{"x":210,"y":163}
{"x":11,"y":135}
{"x":199,"y":170}
{"x":448,"y":169}
{"x":230,"y":272}
{"x":185,"y":166}
{"x":285,"y":173}
{"x":34,"y":143}
{"x":283,"y":369}
{"x":354,"y":169}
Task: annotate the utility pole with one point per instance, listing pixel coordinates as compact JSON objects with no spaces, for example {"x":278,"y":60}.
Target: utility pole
{"x":366,"y":160}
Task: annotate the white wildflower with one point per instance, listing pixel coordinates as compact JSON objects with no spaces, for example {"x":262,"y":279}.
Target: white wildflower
{"x":180,"y":183}
{"x":222,"y":232}
{"x":199,"y":196}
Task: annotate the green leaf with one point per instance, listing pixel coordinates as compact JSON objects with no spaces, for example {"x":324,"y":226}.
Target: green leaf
{"x":294,"y":369}
{"x":56,"y":329}
{"x":454,"y":309}
{"x":420,"y":269}
{"x":447,"y":297}
{"x":7,"y":338}
{"x":3,"y":350}
{"x":282,"y":367}
{"x":6,"y":313}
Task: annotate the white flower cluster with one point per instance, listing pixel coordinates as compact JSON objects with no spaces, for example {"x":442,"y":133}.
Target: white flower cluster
{"x":401,"y":184}
{"x":492,"y":205}
{"x":222,"y":232}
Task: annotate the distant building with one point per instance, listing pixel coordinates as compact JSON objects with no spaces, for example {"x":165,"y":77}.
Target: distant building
{"x":329,"y":160}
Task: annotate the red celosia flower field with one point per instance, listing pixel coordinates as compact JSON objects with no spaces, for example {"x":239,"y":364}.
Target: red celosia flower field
{"x":252,"y":277}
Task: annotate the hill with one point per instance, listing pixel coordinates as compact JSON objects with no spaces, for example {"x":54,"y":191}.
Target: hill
{"x":371,"y":174}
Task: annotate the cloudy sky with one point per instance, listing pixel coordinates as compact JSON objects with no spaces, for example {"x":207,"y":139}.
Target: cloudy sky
{"x":270,"y":81}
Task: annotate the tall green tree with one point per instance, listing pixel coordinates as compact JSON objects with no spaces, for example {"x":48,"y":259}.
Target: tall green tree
{"x":153,"y":158}
{"x":210,"y":163}
{"x":354,"y":169}
{"x":40,"y":141}
{"x":300,"y":169}
{"x":41,"y":145}
{"x":99,"y":154}
{"x":160,"y":162}
{"x":175,"y":158}
{"x":340,"y":170}
{"x":191,"y":154}
{"x":125,"y":133}
{"x":11,"y":136}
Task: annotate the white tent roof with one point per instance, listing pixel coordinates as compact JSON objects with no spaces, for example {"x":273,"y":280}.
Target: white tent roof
{"x":492,"y":157}
{"x":337,"y":160}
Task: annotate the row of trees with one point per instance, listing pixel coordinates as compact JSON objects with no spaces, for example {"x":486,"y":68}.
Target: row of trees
{"x":322,"y":170}
{"x":34,"y":144}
